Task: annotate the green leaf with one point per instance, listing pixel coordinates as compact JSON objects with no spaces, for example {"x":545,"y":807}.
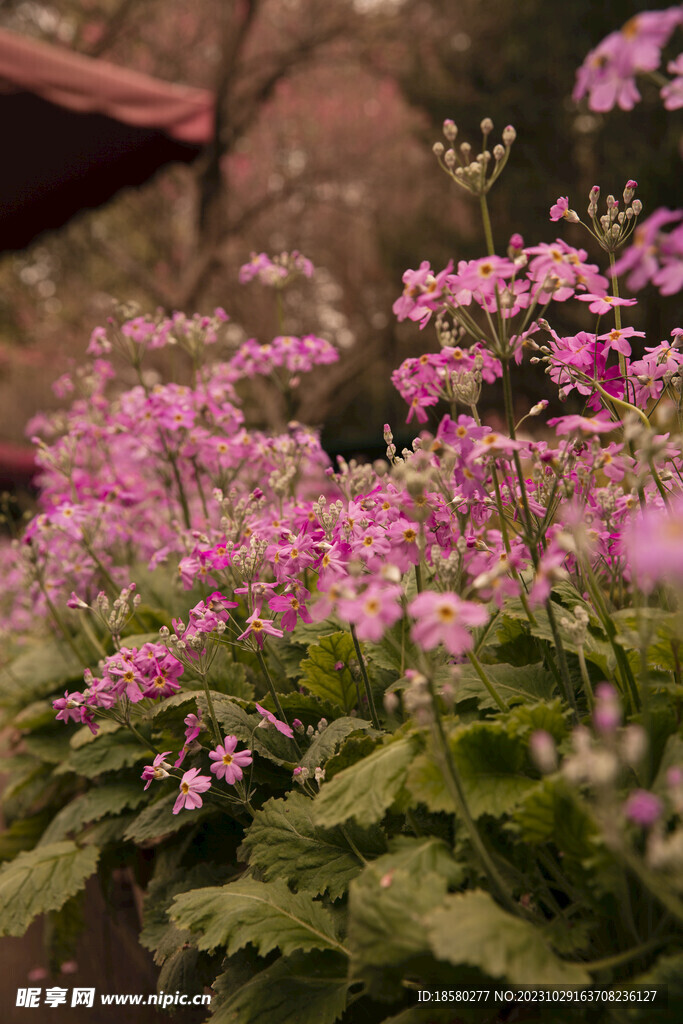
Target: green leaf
{"x":352,"y":750}
{"x":549,"y":716}
{"x":229,"y":677}
{"x":284,"y":842}
{"x":385,"y":930}
{"x":266,"y":914}
{"x":421,"y":856}
{"x":515,"y":684}
{"x":666,"y":970}
{"x":304,"y":706}
{"x":22,"y":834}
{"x":39,"y":671}
{"x":296,"y":989}
{"x":320,"y":675}
{"x":180,"y":972}
{"x":42,"y":880}
{"x":35,"y":716}
{"x":470,"y":928}
{"x":547,"y":813}
{"x":51,"y":747}
{"x":158,"y":820}
{"x":325,"y":743}
{"x":107,"y":753}
{"x":490,"y":763}
{"x":366,"y":789}
{"x":267,"y":742}
{"x":97,"y":803}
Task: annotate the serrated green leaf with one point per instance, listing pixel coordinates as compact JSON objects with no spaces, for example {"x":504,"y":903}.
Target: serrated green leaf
{"x":176,"y":700}
{"x":41,"y":880}
{"x":158,"y":820}
{"x":107,"y":753}
{"x":470,"y":928}
{"x":549,"y":716}
{"x":366,"y":789}
{"x":325,"y":743}
{"x":85,"y":735}
{"x":666,"y":970}
{"x":320,"y":676}
{"x":22,"y":834}
{"x":385,"y":929}
{"x":547,"y":813}
{"x":97,"y":803}
{"x":297,"y":989}
{"x":266,"y":914}
{"x":421,"y":856}
{"x":229,"y":677}
{"x":52,"y":747}
{"x":515,"y":684}
{"x":180,"y":972}
{"x":284,"y":842}
{"x":35,"y":716}
{"x":158,"y":934}
{"x":308,"y":708}
{"x":490,"y":763}
{"x":352,"y":750}
{"x":39,"y":671}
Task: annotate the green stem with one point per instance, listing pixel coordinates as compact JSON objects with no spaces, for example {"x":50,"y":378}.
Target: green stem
{"x":486,"y":220}
{"x":562,"y":659}
{"x":479,"y":669}
{"x":623,"y":958}
{"x":366,"y":681}
{"x":273,"y":693}
{"x":212,"y":712}
{"x":140,"y":737}
{"x":586,"y":678}
{"x":454,"y":786}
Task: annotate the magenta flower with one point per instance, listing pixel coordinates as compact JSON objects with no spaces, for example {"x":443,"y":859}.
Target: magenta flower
{"x":228,"y":765}
{"x":602,"y":304}
{"x":443,"y":619}
{"x":643,"y":808}
{"x":269,"y":718}
{"x":191,"y":785}
{"x":560,"y":211}
{"x":156,"y":770}
{"x":258,"y":629}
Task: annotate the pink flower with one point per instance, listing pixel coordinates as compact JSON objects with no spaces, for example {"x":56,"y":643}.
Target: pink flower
{"x":191,"y":785}
{"x":561,"y":211}
{"x":258,"y":629}
{"x":156,"y":770}
{"x":602,"y":304}
{"x":270,"y":719}
{"x":598,"y":424}
{"x":373,"y":611}
{"x":228,"y":764}
{"x":443,"y":618}
{"x":643,"y":808}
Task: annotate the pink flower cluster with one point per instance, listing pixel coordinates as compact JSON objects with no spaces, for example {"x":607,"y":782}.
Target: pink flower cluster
{"x":608,"y":74}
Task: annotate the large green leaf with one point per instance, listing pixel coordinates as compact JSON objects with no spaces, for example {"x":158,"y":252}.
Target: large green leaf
{"x":470,"y":928}
{"x":95,"y":804}
{"x":366,"y":789}
{"x":325,"y":743}
{"x":107,"y":753}
{"x":548,"y":813}
{"x":266,"y":914}
{"x":159,"y":820}
{"x":39,"y":671}
{"x":284,"y":842}
{"x":42,"y":880}
{"x":666,"y":970}
{"x":515,"y":684}
{"x":385,"y":930}
{"x":490,"y":763}
{"x":320,"y":675}
{"x":420,"y":855}
{"x":298,"y":989}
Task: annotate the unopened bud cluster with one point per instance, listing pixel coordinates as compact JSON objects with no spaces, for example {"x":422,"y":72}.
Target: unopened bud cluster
{"x":474,"y":172}
{"x":614,"y":226}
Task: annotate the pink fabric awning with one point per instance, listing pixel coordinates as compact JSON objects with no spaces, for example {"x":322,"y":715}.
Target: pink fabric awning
{"x":76,"y":130}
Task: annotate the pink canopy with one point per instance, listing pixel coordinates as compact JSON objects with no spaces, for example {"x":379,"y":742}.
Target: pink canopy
{"x":76,"y":130}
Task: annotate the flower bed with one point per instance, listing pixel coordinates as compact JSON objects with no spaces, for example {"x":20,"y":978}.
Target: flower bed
{"x":402,"y":727}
